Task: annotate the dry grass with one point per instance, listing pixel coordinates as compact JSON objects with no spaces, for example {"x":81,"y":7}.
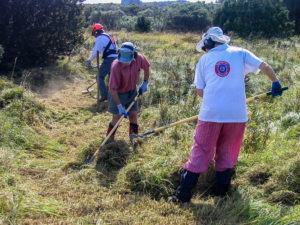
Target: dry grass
{"x":45,"y":179}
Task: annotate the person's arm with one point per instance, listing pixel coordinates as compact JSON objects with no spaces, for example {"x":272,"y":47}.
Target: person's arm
{"x":200,"y":92}
{"x":268,"y":70}
{"x":98,"y":47}
{"x":93,"y":53}
{"x":144,"y":86}
{"x":146,"y":74}
{"x":146,"y":67}
{"x":276,"y":87}
{"x":114,"y":95}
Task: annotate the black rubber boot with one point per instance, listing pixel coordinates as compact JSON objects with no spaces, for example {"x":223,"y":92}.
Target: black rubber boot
{"x":222,"y":184}
{"x":188,"y":182}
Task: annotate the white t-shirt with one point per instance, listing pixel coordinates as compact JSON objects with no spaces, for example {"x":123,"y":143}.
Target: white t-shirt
{"x":221,"y":74}
{"x":100,"y":45}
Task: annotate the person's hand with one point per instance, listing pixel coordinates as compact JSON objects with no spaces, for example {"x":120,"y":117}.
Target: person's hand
{"x":88,"y":61}
{"x":144,"y":87}
{"x":276,"y":89}
{"x":122,"y":111}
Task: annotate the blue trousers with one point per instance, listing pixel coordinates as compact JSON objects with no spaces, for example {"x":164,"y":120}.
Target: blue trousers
{"x":104,"y":70}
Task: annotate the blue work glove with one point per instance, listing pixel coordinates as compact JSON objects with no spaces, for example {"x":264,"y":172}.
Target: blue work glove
{"x":276,"y":89}
{"x":144,"y":87}
{"x":88,"y":61}
{"x":122,"y":111}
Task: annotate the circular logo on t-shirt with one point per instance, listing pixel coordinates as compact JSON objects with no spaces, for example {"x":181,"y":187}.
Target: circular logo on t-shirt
{"x":222,"y":68}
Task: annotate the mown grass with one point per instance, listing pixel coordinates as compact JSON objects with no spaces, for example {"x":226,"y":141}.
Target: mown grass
{"x":45,"y":144}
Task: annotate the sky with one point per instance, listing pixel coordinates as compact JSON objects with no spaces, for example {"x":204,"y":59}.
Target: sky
{"x":119,"y":1}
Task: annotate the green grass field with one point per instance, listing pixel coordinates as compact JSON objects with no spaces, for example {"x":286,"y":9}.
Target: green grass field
{"x":48,"y":134}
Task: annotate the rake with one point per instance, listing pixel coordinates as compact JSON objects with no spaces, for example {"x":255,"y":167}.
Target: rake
{"x":196,"y":117}
{"x":112,"y":131}
{"x":88,"y":90}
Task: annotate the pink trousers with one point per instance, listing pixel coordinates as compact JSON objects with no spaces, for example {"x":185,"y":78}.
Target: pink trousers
{"x":226,"y":138}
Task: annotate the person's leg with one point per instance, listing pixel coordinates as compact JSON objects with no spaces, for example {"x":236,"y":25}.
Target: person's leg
{"x":205,"y":137}
{"x":115,"y":119}
{"x":133,"y":115}
{"x":113,"y":109}
{"x":133,"y":125}
{"x":111,"y":125}
{"x":223,"y":180}
{"x":102,"y":84}
{"x":103,"y":71}
{"x":227,"y":152}
{"x":187,"y":183}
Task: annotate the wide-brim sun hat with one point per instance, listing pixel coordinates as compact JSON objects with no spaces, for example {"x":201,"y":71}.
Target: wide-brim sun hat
{"x":126,"y":52}
{"x":216,"y":34}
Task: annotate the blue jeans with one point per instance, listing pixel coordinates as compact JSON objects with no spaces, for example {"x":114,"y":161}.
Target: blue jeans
{"x":103,"y":71}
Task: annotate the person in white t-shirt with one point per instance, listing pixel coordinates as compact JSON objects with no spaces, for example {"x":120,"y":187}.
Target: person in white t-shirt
{"x":220,"y":80}
{"x":107,"y":47}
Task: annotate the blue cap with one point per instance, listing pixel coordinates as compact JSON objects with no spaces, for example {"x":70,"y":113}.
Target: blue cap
{"x":126,"y":52}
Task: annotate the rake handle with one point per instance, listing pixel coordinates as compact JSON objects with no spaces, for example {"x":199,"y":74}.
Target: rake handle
{"x":263,"y":95}
{"x":195,"y":117}
{"x":97,"y":79}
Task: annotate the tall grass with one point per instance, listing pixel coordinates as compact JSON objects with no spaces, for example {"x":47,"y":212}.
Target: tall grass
{"x":45,"y":146}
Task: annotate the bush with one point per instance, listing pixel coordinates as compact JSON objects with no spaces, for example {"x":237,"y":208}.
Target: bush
{"x":13,"y":93}
{"x":188,"y":17}
{"x":1,"y":52}
{"x":162,"y":16}
{"x":266,"y":18}
{"x":143,"y":24}
{"x":37,"y":32}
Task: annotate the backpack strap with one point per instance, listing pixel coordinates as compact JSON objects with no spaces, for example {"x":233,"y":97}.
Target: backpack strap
{"x":108,"y":51}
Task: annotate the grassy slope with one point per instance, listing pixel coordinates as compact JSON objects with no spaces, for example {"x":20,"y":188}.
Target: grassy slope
{"x":44,"y":143}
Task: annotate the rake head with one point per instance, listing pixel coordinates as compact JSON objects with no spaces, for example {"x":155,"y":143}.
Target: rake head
{"x":87,"y":91}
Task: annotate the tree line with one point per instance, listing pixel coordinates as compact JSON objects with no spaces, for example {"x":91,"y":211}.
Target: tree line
{"x":37,"y":32}
{"x":265,"y":18}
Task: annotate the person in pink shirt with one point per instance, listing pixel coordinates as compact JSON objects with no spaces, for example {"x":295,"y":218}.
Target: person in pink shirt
{"x":124,"y":76}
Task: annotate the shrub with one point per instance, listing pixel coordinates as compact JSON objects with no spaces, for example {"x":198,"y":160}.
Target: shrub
{"x":37,"y":32}
{"x":188,"y":17}
{"x":1,"y":52}
{"x":143,"y":24}
{"x":267,"y":18}
{"x":14,"y":93}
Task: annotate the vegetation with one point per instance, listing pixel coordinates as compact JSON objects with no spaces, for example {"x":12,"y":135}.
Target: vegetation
{"x":1,"y":52}
{"x":35,"y":33}
{"x":294,"y":13}
{"x":270,"y":18}
{"x":258,"y":18}
{"x":38,"y":33}
{"x":49,"y":130}
{"x":143,"y":24}
{"x":46,"y":141}
{"x":177,"y":17}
